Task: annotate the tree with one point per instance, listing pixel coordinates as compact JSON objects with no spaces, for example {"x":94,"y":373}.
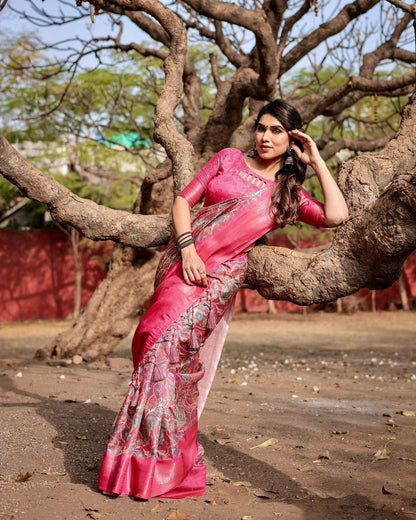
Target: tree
{"x":257,"y":47}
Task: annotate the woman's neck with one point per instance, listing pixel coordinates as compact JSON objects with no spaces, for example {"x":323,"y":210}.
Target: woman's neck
{"x":267,"y":169}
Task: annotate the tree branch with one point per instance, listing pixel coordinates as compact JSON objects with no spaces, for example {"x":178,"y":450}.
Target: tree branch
{"x":362,"y":180}
{"x":355,"y":146}
{"x":324,"y":31}
{"x":92,"y":220}
{"x":177,"y":147}
{"x":385,"y":228}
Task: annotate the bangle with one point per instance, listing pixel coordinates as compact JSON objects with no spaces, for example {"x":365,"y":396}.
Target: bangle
{"x":183,"y":235}
{"x":186,"y":243}
{"x":185,"y":240}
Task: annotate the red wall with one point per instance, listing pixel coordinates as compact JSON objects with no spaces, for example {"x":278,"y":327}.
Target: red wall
{"x":37,"y":273}
{"x":37,"y":276}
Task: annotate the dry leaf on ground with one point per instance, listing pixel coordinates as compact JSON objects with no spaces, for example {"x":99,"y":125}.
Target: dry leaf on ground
{"x":265,"y":444}
{"x":22,"y":477}
{"x":382,"y":454}
{"x":177,"y":515}
{"x":324,"y":455}
{"x":407,"y":413}
{"x":223,"y":441}
{"x":385,"y":492}
{"x":93,"y":513}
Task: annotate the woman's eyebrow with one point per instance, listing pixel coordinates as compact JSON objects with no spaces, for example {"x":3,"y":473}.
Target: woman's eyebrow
{"x":271,"y":126}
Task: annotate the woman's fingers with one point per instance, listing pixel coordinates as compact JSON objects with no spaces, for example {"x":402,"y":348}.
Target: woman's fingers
{"x":199,"y":275}
{"x":195,"y":275}
{"x":186,"y":277}
{"x":310,"y":150}
{"x":193,"y":268}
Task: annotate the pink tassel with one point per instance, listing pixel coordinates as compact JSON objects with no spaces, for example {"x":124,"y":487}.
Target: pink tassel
{"x":135,"y":398}
{"x":211,"y":320}
{"x":173,"y":353}
{"x":158,"y":374}
{"x":194,"y":340}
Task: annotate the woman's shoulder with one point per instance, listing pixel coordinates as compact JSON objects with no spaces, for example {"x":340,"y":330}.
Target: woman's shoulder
{"x":231,"y":154}
{"x":234,"y":152}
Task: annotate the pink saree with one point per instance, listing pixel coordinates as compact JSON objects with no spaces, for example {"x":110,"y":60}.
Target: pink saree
{"x":153,"y":449}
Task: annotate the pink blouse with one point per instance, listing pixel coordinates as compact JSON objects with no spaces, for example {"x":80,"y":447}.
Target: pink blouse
{"x":227,"y":175}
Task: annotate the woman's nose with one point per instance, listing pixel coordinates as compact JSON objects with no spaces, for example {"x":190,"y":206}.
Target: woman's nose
{"x":266,"y":136}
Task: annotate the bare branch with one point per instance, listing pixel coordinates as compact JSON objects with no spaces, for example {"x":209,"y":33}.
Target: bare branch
{"x":409,"y":8}
{"x":327,"y":29}
{"x":346,"y":266}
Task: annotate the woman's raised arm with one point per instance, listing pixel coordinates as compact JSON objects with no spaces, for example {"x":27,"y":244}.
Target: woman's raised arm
{"x":336,"y":210}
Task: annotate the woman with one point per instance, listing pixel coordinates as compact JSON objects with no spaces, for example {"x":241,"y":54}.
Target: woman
{"x":153,"y":450}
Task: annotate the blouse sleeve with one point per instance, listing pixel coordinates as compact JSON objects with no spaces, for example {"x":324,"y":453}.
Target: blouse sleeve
{"x":311,"y":210}
{"x":195,"y":190}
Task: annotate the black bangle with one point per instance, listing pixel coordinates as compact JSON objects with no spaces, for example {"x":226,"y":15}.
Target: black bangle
{"x":186,"y":243}
{"x":183,"y":236}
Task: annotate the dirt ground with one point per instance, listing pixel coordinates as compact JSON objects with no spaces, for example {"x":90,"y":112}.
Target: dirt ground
{"x":333,"y":398}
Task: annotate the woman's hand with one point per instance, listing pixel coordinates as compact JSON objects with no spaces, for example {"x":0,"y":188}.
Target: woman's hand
{"x":336,"y":210}
{"x":310,"y":155}
{"x":193,"y":268}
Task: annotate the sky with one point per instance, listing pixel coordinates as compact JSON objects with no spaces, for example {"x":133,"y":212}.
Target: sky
{"x":13,"y":22}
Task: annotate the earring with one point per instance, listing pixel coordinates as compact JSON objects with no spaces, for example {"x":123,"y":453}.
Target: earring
{"x":289,"y":161}
{"x":252,"y":153}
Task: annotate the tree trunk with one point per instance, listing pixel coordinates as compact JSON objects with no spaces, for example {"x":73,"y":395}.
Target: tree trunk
{"x":403,"y":294}
{"x":113,"y":309}
{"x":271,"y":309}
{"x":74,"y":238}
{"x":117,"y":303}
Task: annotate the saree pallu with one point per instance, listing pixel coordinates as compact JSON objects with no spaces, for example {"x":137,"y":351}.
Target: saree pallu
{"x":153,"y":449}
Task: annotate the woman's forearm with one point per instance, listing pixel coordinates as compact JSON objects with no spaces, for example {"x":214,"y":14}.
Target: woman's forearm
{"x":181,"y":216}
{"x":336,"y":210}
{"x":193,"y":268}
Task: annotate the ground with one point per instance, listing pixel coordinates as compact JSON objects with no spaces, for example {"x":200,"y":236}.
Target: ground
{"x":333,"y":397}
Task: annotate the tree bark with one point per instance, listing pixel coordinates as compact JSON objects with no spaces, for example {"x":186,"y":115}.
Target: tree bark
{"x":112,"y":310}
{"x":403,"y":293}
{"x":116,"y":305}
{"x":367,"y":251}
{"x":74,"y":238}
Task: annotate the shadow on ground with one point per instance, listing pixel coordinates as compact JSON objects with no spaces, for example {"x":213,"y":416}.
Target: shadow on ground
{"x":82,"y":433}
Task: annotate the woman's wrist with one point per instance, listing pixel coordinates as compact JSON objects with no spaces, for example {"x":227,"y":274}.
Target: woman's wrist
{"x":188,"y":250}
{"x":318,"y":165}
{"x":184,"y":240}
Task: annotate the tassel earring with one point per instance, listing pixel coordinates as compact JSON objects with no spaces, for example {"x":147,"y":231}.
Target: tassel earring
{"x":289,"y":161}
{"x":252,"y":153}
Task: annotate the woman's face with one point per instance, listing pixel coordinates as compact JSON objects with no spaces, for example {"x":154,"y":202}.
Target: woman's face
{"x":272,"y":140}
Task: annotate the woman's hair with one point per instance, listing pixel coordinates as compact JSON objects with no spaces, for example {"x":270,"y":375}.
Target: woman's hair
{"x":289,"y":179}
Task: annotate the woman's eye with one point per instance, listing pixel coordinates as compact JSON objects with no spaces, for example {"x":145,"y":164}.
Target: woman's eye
{"x":276,"y":131}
